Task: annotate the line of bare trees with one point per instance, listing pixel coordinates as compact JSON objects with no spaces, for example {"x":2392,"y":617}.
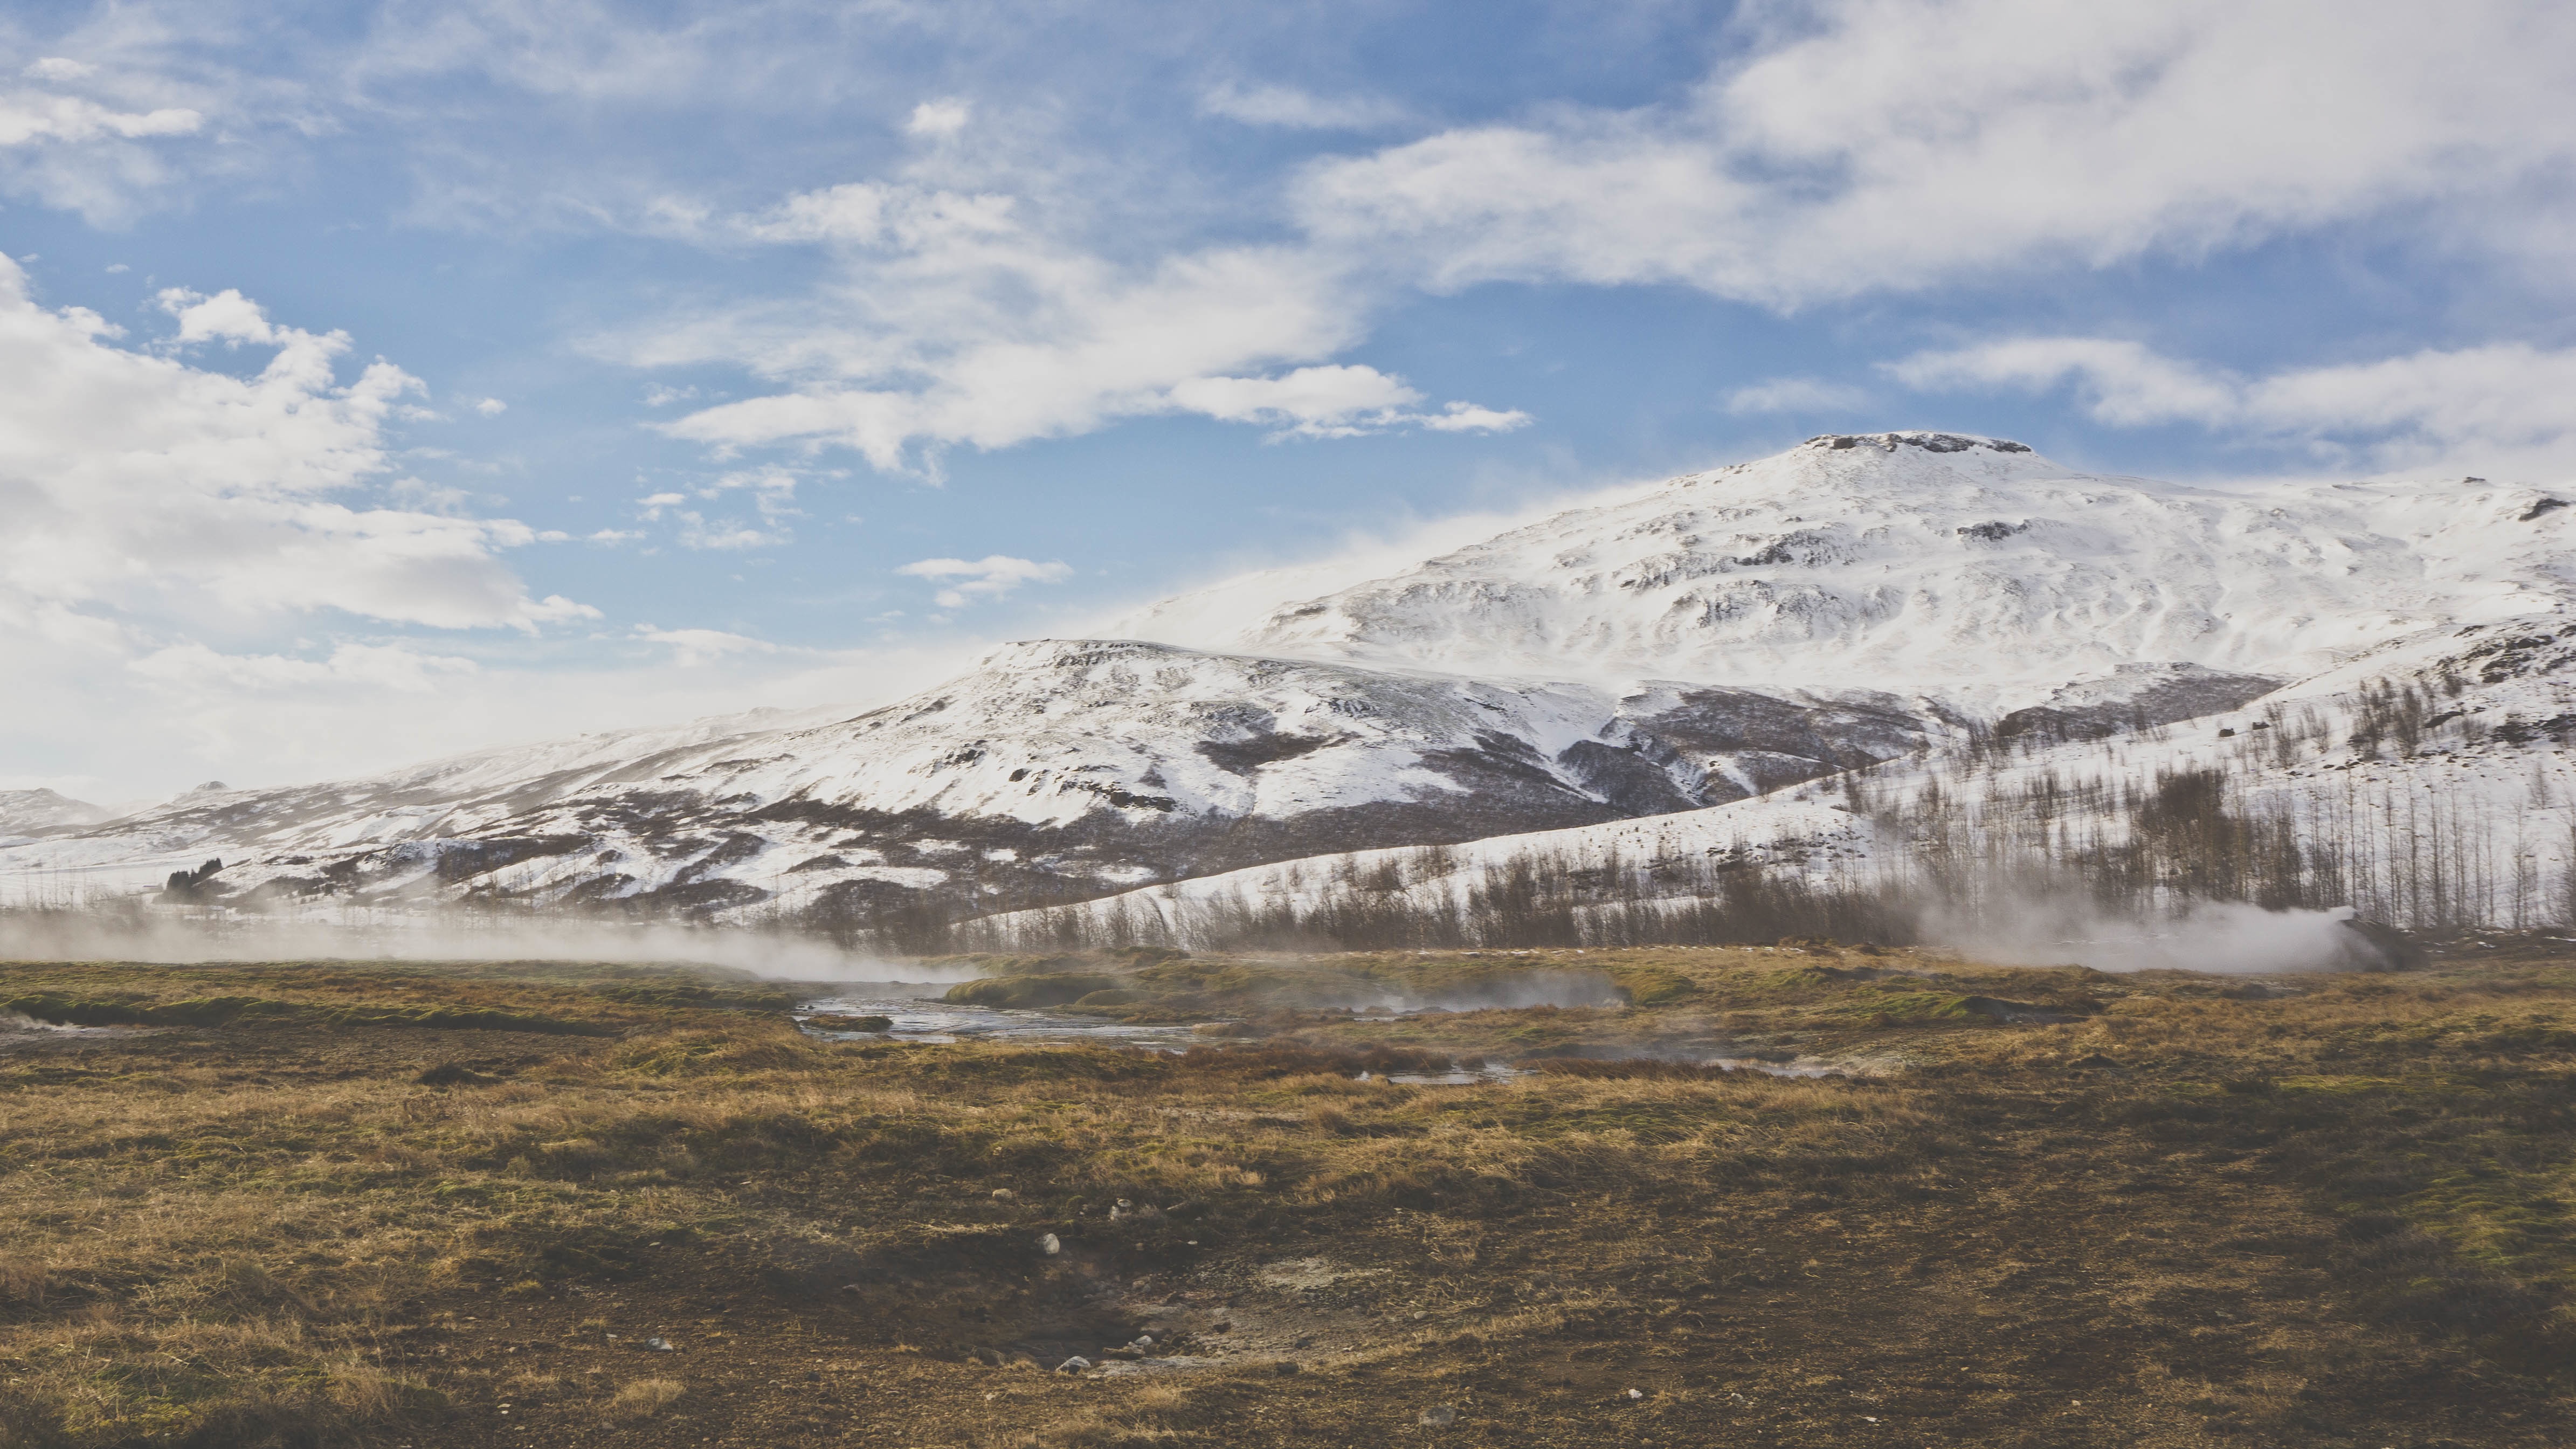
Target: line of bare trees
{"x":2290,"y":813}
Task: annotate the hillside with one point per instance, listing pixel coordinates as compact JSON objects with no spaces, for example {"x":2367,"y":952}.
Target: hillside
{"x":32,"y":812}
{"x":1706,"y":642}
{"x":2430,"y":785}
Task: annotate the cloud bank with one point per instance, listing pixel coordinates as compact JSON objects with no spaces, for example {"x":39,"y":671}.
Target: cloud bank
{"x":1867,"y":145}
{"x":167,"y":520}
{"x":2505,"y":402}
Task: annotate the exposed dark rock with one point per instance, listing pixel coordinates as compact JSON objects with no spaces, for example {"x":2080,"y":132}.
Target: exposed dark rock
{"x":1928,"y":442}
{"x":2139,"y":697}
{"x":1244,"y":756}
{"x":1740,"y":742}
{"x":1634,"y":780}
{"x":460,"y":859}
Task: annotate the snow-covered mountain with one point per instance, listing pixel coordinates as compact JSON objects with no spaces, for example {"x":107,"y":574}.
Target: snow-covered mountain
{"x":35,"y":812}
{"x":1710,"y":639}
{"x":1969,"y":569}
{"x":2430,"y":783}
{"x":1050,"y":769}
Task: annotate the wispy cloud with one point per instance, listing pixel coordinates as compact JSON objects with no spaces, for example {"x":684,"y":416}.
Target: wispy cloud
{"x":1796,"y":395}
{"x":692,"y":647}
{"x":27,"y":119}
{"x":726,"y":534}
{"x":1342,"y":401}
{"x":989,"y":577}
{"x":396,"y":667}
{"x":2422,"y":406}
{"x":955,"y":320}
{"x":1287,"y":106}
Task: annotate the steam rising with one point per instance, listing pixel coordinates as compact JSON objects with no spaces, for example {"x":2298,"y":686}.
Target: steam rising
{"x":2224,"y":937}
{"x":1507,"y":989}
{"x":70,"y":935}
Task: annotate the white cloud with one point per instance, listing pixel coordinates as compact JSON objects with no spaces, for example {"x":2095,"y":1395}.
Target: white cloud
{"x":1338,"y":401}
{"x":773,"y":490}
{"x":872,"y":214}
{"x":729,"y":535}
{"x":2126,"y":383}
{"x":26,"y":118}
{"x":773,"y":493}
{"x":96,"y":142}
{"x":1290,"y":108}
{"x":387,"y":666}
{"x":1795,"y":395}
{"x":1848,"y":145}
{"x":1462,"y":417}
{"x":1871,"y":144}
{"x":989,"y":577}
{"x":207,"y":573}
{"x":939,"y":118}
{"x":690,"y":647}
{"x":1307,"y":398}
{"x":491,"y":407}
{"x":141,"y":486}
{"x":953,"y":320}
{"x":227,"y":316}
{"x":2507,"y":401}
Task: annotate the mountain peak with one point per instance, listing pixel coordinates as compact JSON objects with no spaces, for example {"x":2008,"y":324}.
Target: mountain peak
{"x":1967,"y":568}
{"x":1928,"y":442}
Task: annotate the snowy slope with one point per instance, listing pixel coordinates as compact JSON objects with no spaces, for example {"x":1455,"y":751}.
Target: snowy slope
{"x":36,"y":812}
{"x":1712,"y":639}
{"x":2466,"y":819}
{"x":1052,"y":767}
{"x":443,"y":798}
{"x":1970,"y":569}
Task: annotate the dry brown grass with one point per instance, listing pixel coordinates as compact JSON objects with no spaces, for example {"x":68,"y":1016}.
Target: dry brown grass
{"x":2222,"y":1216}
{"x":643,"y":1398}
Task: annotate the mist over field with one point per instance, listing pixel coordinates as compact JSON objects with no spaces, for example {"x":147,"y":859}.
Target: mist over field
{"x":73,"y":934}
{"x":2225,"y":937}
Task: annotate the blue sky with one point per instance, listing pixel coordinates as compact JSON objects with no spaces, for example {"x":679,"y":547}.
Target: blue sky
{"x":388,"y":380}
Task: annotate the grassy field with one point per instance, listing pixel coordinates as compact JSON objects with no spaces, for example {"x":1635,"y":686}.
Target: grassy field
{"x":555,"y":1204}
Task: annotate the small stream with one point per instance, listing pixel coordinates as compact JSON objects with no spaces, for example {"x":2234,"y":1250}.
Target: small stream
{"x":920,"y":1015}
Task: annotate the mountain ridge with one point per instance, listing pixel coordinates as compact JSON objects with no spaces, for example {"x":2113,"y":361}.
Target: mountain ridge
{"x":1853,"y":600}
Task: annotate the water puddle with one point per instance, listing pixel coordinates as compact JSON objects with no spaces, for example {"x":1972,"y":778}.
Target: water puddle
{"x":1456,"y":1076}
{"x":919,"y":1015}
{"x":1811,"y":1067}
